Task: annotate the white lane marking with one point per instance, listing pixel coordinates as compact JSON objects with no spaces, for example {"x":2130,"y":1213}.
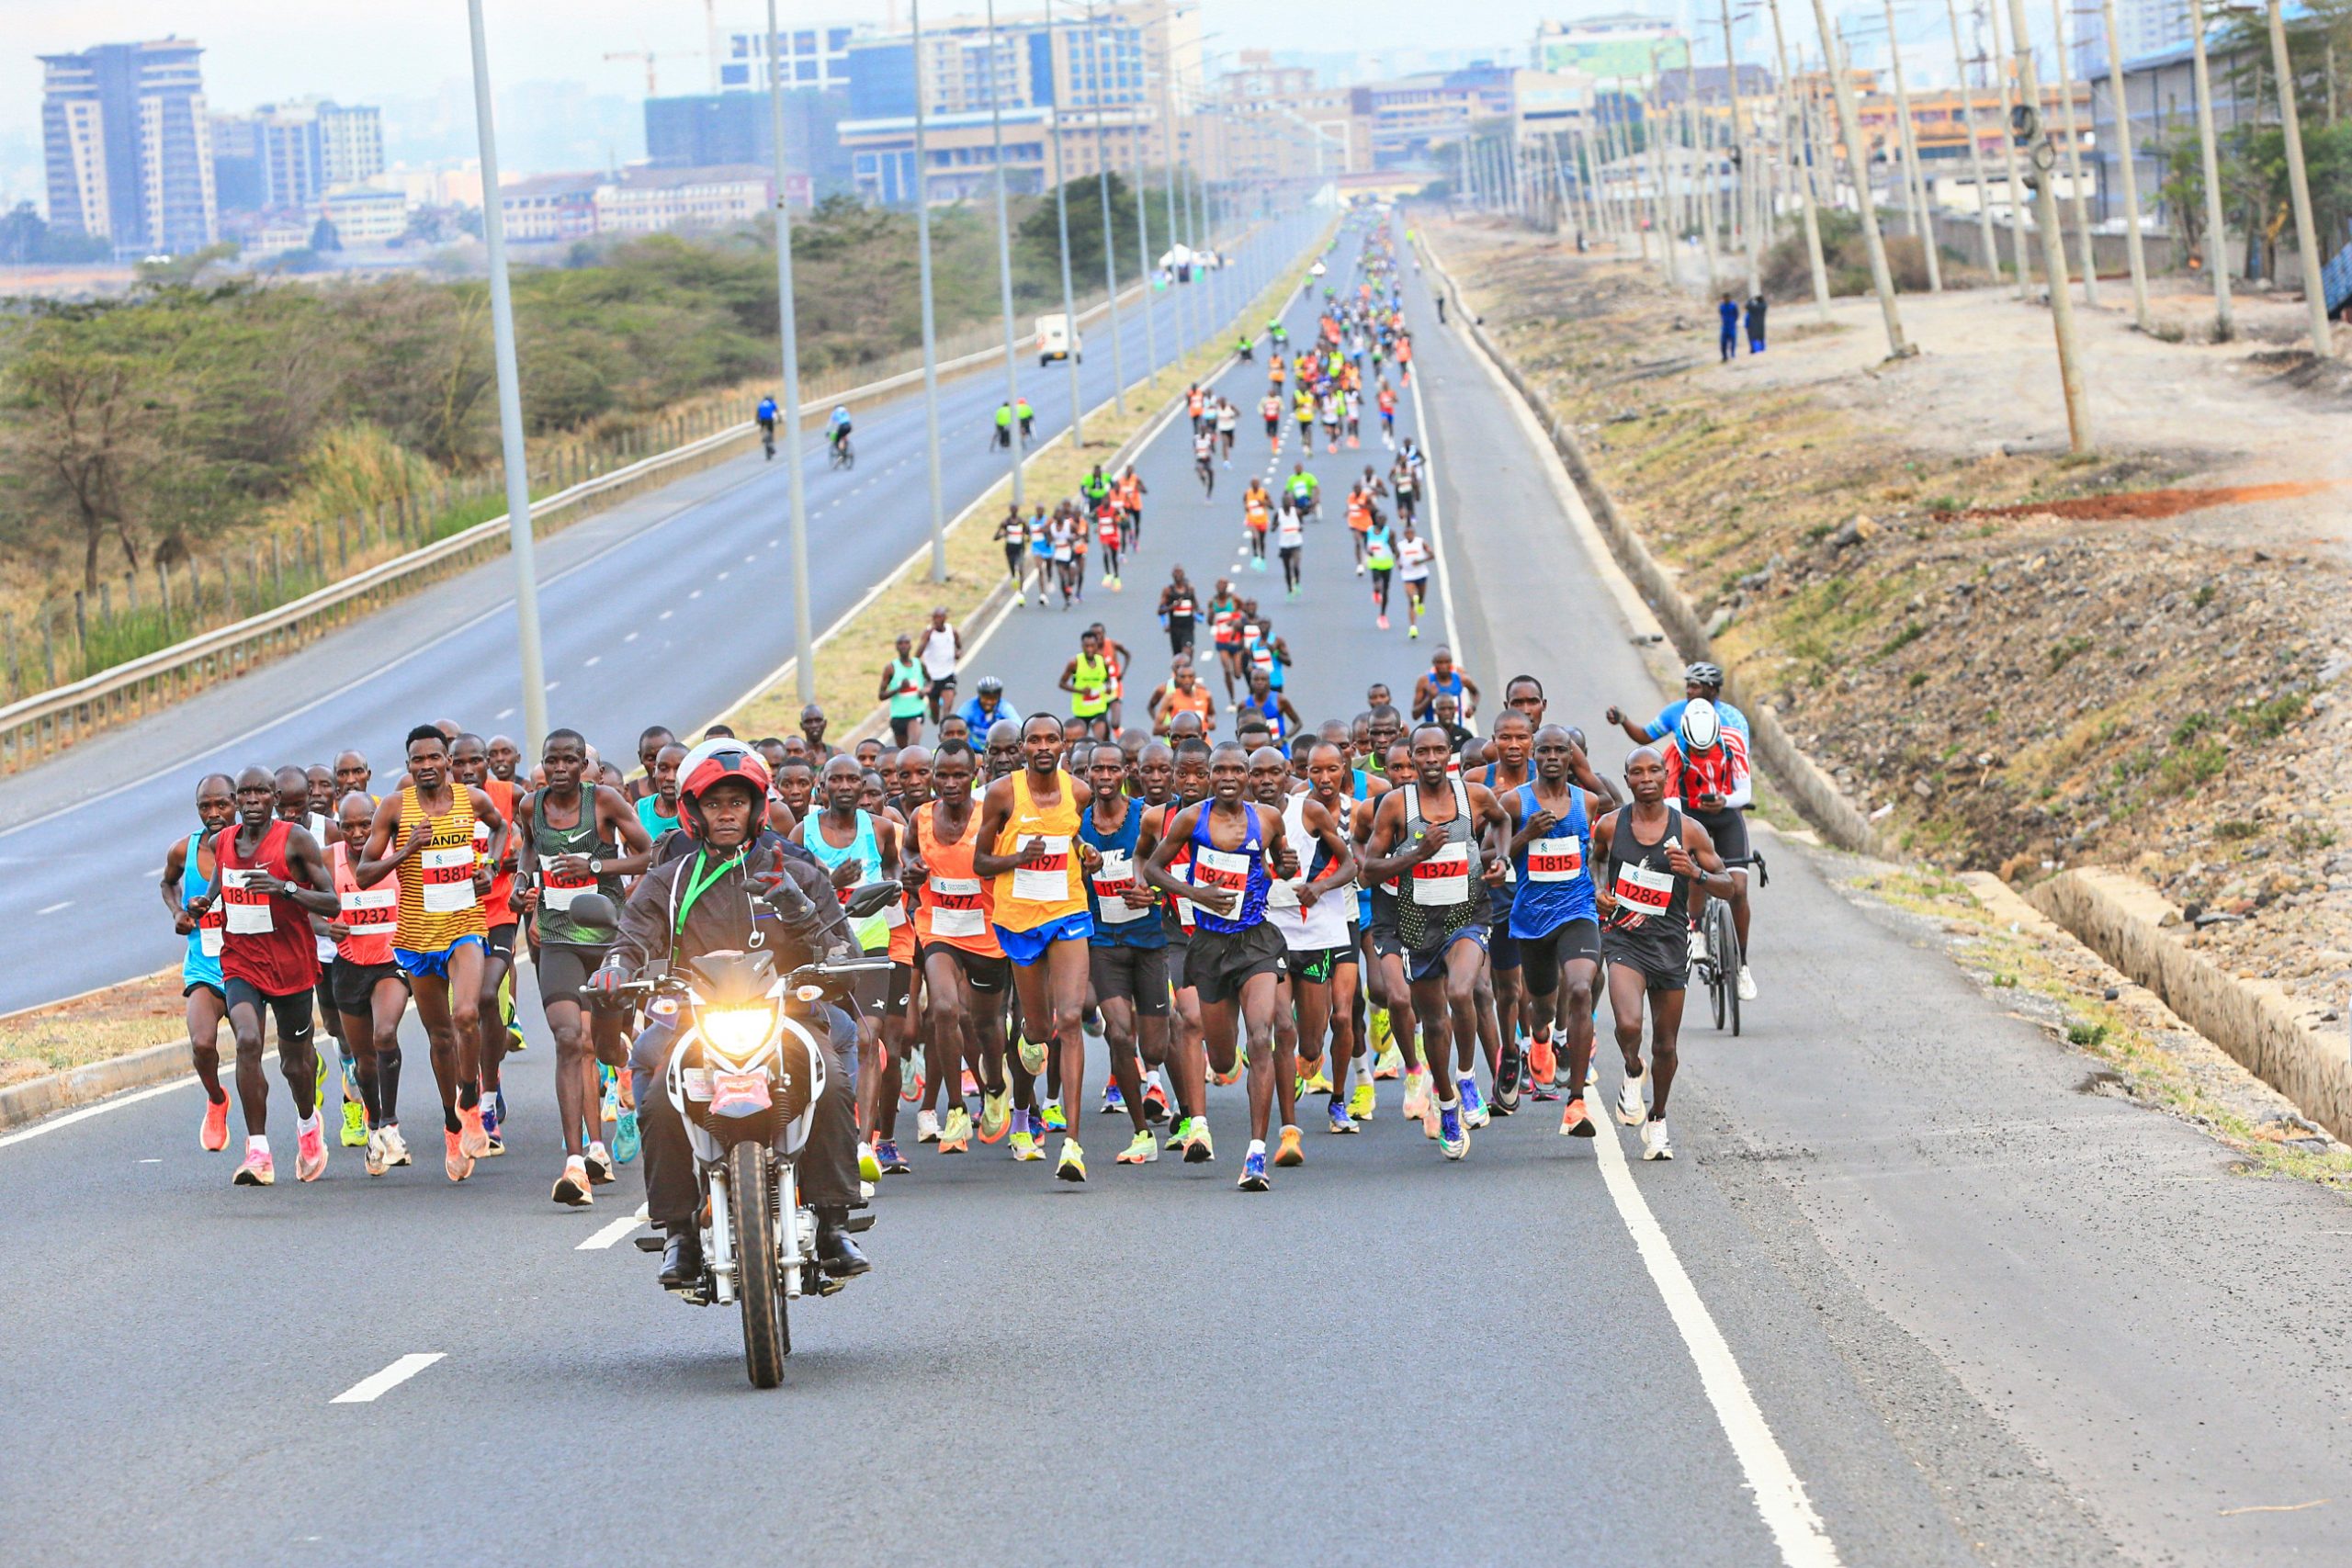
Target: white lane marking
{"x":55,"y":908}
{"x":695,"y":594}
{"x":370,"y":1389}
{"x":611,"y":1235}
{"x":504,"y":712}
{"x":43,"y":1129}
{"x":723,"y":576}
{"x":151,"y":1162}
{"x":1780,"y":1496}
{"x":594,"y":659}
{"x":664,"y":616}
{"x":551,"y":685}
{"x":632,"y":637}
{"x":748,"y":559}
{"x":156,"y":872}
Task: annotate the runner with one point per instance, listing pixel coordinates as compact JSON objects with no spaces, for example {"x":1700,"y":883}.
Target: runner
{"x":371,"y":990}
{"x":1270,"y":409}
{"x":1229,"y":421}
{"x":191,"y":896}
{"x":657,"y":813}
{"x":1379,"y":548}
{"x":469,"y":765}
{"x":1204,"y":462}
{"x":964,"y":975}
{"x":1413,"y":567}
{"x":573,"y":838}
{"x":902,"y":686}
{"x":1554,"y":917}
{"x":440,"y":935}
{"x":1315,"y":911}
{"x":1225,"y":632}
{"x":1180,"y":694}
{"x":1256,"y":516}
{"x":1013,"y":533}
{"x":1265,"y":703}
{"x":1030,"y":822}
{"x":1237,"y":960}
{"x":1179,"y":613}
{"x":1442,"y":836}
{"x":1655,"y":855}
{"x":1173,"y":777}
{"x":1107,"y":534}
{"x":1127,"y":954}
{"x":1442,"y":679}
{"x":272,"y":877}
{"x":855,"y":846}
{"x":1086,"y":677}
{"x":1129,"y":494}
{"x":1290,"y":539}
{"x":943,"y":655}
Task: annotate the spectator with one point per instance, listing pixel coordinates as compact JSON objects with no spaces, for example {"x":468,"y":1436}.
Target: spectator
{"x":1727,"y":341}
{"x":1756,"y":309}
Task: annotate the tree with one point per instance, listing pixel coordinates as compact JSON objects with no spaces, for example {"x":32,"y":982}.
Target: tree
{"x":323,"y":236}
{"x":1039,"y":235}
{"x":80,"y":435}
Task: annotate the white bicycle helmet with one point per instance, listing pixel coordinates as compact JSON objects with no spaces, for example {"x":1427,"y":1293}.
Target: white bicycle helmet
{"x":1700,"y":729}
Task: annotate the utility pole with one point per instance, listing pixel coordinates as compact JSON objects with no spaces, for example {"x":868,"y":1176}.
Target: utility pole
{"x":1061,"y":227}
{"x":1102,"y":189}
{"x":2217,"y":242}
{"x":1841,"y":88}
{"x":1003,"y":253}
{"x":1915,"y":183}
{"x":2010,"y":153}
{"x":2074,"y":155}
{"x":2119,"y":95}
{"x":1696,"y":158}
{"x":804,"y":659}
{"x":1143,"y":249}
{"x":2298,"y":186}
{"x":1815,"y":261}
{"x":1664,"y":221}
{"x":929,"y":320}
{"x":2054,"y":246}
{"x":510,"y":407}
{"x":1976,"y":154}
{"x":1741,"y":181}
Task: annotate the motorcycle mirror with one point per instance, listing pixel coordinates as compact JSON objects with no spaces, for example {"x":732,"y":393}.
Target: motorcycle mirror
{"x":594,"y":909}
{"x":871,"y":898}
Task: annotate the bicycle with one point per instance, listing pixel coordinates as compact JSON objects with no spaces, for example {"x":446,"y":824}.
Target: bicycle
{"x":842,"y":454}
{"x":767,"y":441}
{"x":1718,"y":964}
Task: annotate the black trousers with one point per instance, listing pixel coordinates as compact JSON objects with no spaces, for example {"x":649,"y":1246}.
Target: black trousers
{"x":828,"y":1162}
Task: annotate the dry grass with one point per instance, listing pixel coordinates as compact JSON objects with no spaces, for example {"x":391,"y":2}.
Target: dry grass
{"x":113,"y":1023}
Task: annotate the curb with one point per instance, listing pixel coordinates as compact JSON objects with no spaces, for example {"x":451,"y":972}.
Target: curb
{"x":27,"y":1103}
{"x":1811,"y":789}
{"x":2126,"y":922}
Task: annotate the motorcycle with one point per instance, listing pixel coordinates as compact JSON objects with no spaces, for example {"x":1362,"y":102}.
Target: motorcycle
{"x":744,"y":1077}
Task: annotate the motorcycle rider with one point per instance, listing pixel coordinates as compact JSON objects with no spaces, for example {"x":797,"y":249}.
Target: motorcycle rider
{"x":742,"y":887}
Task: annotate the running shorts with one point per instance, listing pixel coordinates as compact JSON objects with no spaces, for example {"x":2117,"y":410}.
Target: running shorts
{"x":434,"y":966}
{"x":1428,"y":963}
{"x":501,"y":943}
{"x":195,"y":985}
{"x":1028,"y":947}
{"x":981,"y":972}
{"x":564,"y":968}
{"x":1221,"y":962}
{"x":1317,"y":964}
{"x":1729,"y":831}
{"x":1138,"y":974}
{"x":291,"y":1010}
{"x":1664,"y":966}
{"x":1542,"y":956}
{"x":899,"y":995}
{"x":354,"y":984}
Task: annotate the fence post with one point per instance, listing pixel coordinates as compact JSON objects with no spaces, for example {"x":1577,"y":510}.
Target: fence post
{"x":47,"y":651}
{"x":82,"y":630}
{"x":163,"y":586}
{"x":253,"y":576}
{"x":8,"y":633}
{"x":195,"y":596}
{"x":319,"y":549}
{"x":106,"y":603}
{"x":342,"y":548}
{"x":130,"y":593}
{"x":228,"y":588}
{"x":278,"y":566}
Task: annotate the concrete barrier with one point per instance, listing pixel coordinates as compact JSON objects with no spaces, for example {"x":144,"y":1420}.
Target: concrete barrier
{"x":2130,"y":925}
{"x":27,"y":1103}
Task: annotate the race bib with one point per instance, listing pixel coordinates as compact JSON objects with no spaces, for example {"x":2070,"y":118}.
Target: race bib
{"x":1555,"y":860}
{"x":447,"y":875}
{"x":956,"y":909}
{"x":1228,"y":869}
{"x":1444,"y":879}
{"x":372,"y":910}
{"x":1047,"y":882}
{"x":1111,"y":883}
{"x":1643,"y":889}
{"x":208,"y":938}
{"x":248,"y":911}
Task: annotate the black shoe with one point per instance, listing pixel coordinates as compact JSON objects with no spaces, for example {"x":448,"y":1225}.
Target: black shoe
{"x":1508,"y":1072}
{"x":836,"y":1254}
{"x":682,"y":1257}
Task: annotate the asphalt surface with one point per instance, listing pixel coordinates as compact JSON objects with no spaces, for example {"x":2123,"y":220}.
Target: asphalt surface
{"x":663,"y":610}
{"x":1981,"y":1315}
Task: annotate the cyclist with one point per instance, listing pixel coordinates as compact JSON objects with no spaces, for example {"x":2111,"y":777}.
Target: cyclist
{"x":765,"y":414}
{"x":1700,"y":681}
{"x":1707,"y":775}
{"x":838,"y":431}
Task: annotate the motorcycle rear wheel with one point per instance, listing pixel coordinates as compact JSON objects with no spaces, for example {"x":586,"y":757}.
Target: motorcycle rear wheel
{"x":759,"y":1289}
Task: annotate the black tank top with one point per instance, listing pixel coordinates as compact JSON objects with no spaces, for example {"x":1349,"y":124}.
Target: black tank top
{"x":1651,"y":898}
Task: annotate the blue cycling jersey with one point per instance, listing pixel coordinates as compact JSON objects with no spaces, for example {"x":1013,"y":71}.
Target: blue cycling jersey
{"x":1670,"y":716}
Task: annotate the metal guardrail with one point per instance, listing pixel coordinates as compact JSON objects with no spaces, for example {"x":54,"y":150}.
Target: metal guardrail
{"x":46,"y":723}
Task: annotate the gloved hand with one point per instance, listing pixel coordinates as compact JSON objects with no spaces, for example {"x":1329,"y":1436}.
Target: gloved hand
{"x":605,"y":985}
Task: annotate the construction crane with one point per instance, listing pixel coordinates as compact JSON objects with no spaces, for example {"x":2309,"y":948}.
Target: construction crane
{"x":647,"y":56}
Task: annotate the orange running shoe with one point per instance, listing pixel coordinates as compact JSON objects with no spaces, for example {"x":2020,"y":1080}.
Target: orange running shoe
{"x":257,"y":1170}
{"x":1574,"y":1123}
{"x":472,"y":1137}
{"x":215,"y":1136}
{"x":1542,"y":1061}
{"x":1287,"y":1152}
{"x":311,"y":1152}
{"x":454,"y":1158}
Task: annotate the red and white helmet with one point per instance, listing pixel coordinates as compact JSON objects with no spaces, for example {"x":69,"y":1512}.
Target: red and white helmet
{"x":720,"y":758}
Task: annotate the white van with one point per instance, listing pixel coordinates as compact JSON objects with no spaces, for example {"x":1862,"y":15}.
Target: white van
{"x":1056,"y":340}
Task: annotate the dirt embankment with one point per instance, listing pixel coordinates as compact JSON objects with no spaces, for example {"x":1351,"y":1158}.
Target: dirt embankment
{"x":2012,"y":659}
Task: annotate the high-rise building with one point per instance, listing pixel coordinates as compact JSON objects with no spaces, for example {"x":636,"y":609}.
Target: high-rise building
{"x":709,"y":129}
{"x":813,"y":56}
{"x":291,"y":154}
{"x":129,"y":146}
{"x":1623,"y":46}
{"x":2142,"y":28}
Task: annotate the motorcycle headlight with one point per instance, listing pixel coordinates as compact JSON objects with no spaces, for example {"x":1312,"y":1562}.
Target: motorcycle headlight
{"x":737,"y":1032}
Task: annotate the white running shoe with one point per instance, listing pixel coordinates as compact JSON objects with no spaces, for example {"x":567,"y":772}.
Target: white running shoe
{"x":1656,"y":1142}
{"x":1698,"y":947}
{"x":1631,"y":1106}
{"x":1747,"y":984}
{"x":926,"y":1126}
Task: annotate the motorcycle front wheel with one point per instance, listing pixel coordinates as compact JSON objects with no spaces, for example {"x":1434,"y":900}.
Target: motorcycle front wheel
{"x":759,"y":1291}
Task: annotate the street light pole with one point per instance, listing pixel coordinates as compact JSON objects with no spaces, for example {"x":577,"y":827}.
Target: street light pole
{"x":1061,"y":223}
{"x":2119,"y":92}
{"x":2023,"y":268}
{"x":1815,"y":261}
{"x":1143,"y":250}
{"x":1976,"y":154}
{"x":2074,"y":155}
{"x":804,"y":660}
{"x":2217,"y":241}
{"x":2054,"y":246}
{"x":1102,"y":189}
{"x":1915,"y":180}
{"x":929,"y":323}
{"x":510,"y":406}
{"x":1003,"y":256}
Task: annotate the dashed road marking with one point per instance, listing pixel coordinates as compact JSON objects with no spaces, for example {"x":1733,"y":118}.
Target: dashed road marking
{"x":611,"y":1235}
{"x":370,"y":1389}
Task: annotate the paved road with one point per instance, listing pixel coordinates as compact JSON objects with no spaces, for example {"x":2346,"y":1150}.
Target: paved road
{"x":82,"y":838}
{"x":1976,"y":1315}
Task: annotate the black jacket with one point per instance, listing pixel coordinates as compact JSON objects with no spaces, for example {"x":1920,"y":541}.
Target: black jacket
{"x":731,"y":909}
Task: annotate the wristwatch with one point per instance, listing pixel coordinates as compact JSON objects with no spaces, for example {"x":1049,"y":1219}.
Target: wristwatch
{"x":595,"y":867}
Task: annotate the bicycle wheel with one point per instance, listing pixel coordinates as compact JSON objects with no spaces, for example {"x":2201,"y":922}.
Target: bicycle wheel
{"x":1723,"y":939}
{"x":1713,"y":970}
